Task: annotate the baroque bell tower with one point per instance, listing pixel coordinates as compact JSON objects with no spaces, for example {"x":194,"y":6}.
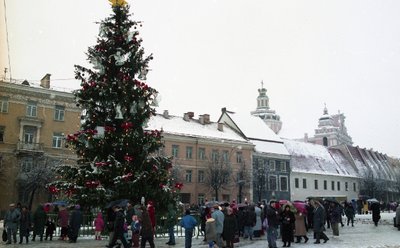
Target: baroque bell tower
{"x":263,"y":111}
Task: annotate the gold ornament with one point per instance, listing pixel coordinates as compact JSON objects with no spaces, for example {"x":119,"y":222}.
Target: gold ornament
{"x":117,"y":3}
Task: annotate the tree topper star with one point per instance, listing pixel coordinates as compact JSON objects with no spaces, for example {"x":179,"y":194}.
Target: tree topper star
{"x":117,"y":3}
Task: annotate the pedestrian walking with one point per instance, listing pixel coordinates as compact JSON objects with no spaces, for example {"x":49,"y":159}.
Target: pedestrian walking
{"x":230,"y":228}
{"x":98,"y":226}
{"x":319,"y":222}
{"x":170,"y":223}
{"x":119,"y":228}
{"x":376,"y":212}
{"x":189,"y":223}
{"x":250,"y":219}
{"x":211,"y":232}
{"x":349,"y":212}
{"x":335,"y":213}
{"x":75,"y":222}
{"x":50,"y":228}
{"x":25,"y":224}
{"x":218,"y":216}
{"x":300,"y":227}
{"x":146,"y":232}
{"x":135,"y":227}
{"x":272,"y":215}
{"x":63,"y":217}
{"x":39,"y":222}
{"x":287,"y":220}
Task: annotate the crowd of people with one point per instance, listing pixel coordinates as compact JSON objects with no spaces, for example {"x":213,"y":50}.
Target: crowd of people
{"x":223,"y":224}
{"x":18,"y":219}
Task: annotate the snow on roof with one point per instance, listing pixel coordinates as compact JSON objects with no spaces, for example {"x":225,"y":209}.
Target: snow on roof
{"x":177,"y":125}
{"x":270,"y":147}
{"x":312,"y":158}
{"x":253,"y":127}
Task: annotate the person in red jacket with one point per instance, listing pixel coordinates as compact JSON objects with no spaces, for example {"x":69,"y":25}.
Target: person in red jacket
{"x":152,"y":213}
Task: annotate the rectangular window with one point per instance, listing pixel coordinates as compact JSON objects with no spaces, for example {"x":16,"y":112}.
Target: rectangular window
{"x":59,"y":112}
{"x":283,"y":165}
{"x":3,"y":104}
{"x":272,"y":182}
{"x":333,"y":185}
{"x":202,"y":153}
{"x":200,"y":198}
{"x":214,"y":155}
{"x":175,"y":151}
{"x":354,"y":187}
{"x":27,"y":164}
{"x":31,"y":109}
{"x":58,"y":139}
{"x":338,"y":186}
{"x":316,"y":184}
{"x":239,"y":157}
{"x":346,"y":186}
{"x":272,"y":165}
{"x":284,"y":183}
{"x":225,"y":156}
{"x":189,"y":152}
{"x":29,"y":134}
{"x":304,"y":183}
{"x":201,"y":176}
{"x":2,"y":128}
{"x":296,"y":183}
{"x":188,"y":176}
{"x":325,"y":185}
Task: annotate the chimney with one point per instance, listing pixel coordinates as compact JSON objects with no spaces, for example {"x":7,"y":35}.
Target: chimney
{"x":191,"y":114}
{"x":45,"y":81}
{"x":201,"y":119}
{"x":166,"y":114}
{"x":220,"y":126}
{"x":186,"y":116}
{"x":206,"y":118}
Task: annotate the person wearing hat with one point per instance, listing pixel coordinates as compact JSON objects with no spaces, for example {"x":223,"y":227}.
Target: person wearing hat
{"x":11,"y":220}
{"x":189,"y":223}
{"x":119,"y":228}
{"x":272,"y":215}
{"x":219,"y":217}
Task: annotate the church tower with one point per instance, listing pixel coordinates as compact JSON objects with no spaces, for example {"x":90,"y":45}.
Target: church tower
{"x":265,"y":113}
{"x":331,"y":130}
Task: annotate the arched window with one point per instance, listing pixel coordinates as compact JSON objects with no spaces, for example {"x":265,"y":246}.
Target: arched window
{"x":325,"y":141}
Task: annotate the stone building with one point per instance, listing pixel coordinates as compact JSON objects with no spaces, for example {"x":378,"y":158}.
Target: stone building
{"x":204,"y":153}
{"x":34,"y":120}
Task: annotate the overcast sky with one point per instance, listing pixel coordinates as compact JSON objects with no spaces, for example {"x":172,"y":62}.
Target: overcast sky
{"x":211,"y":54}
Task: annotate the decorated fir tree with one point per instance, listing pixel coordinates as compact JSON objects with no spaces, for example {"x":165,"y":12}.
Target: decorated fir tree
{"x":117,"y":156}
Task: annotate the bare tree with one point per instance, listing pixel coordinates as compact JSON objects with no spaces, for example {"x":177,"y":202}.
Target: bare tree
{"x":372,"y":185}
{"x":218,"y":173}
{"x":259,"y":179}
{"x":35,"y":180}
{"x":242,"y":179}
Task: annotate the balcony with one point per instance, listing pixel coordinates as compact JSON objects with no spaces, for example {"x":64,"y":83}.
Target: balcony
{"x":29,"y":147}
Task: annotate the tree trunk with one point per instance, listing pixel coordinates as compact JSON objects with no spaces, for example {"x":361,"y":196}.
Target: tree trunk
{"x":31,"y":199}
{"x":216,"y":194}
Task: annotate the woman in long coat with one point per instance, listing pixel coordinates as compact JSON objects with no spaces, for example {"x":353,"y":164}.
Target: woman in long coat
{"x":25,"y":224}
{"x":300,"y":227}
{"x":75,"y":222}
{"x":39,"y":221}
{"x":287,"y":220}
{"x":376,"y":212}
{"x":230,"y":228}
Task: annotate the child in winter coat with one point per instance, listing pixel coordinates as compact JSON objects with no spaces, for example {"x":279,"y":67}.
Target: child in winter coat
{"x":98,"y":226}
{"x":50,"y":228}
{"x":135,"y":227}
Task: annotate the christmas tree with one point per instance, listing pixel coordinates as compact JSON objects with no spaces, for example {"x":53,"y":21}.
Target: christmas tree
{"x":117,"y":156}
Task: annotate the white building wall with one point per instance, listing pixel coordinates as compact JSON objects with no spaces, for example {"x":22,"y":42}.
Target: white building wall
{"x":301,"y":193}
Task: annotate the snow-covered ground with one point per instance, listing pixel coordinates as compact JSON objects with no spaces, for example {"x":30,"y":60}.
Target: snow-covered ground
{"x":364,"y":234}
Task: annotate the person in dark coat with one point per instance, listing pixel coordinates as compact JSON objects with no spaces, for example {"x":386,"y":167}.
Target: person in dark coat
{"x":75,"y":222}
{"x":119,"y":228}
{"x":287,"y":220}
{"x":146,"y":233}
{"x":250,"y":219}
{"x":376,"y":212}
{"x":310,"y":215}
{"x":170,"y":223}
{"x":50,"y":228}
{"x":319,"y":222}
{"x":230,"y":228}
{"x":272,"y":215}
{"x":335,"y":213}
{"x":25,"y":224}
{"x":349,"y":212}
{"x":63,"y":217}
{"x":39,"y":221}
{"x":240,"y":221}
